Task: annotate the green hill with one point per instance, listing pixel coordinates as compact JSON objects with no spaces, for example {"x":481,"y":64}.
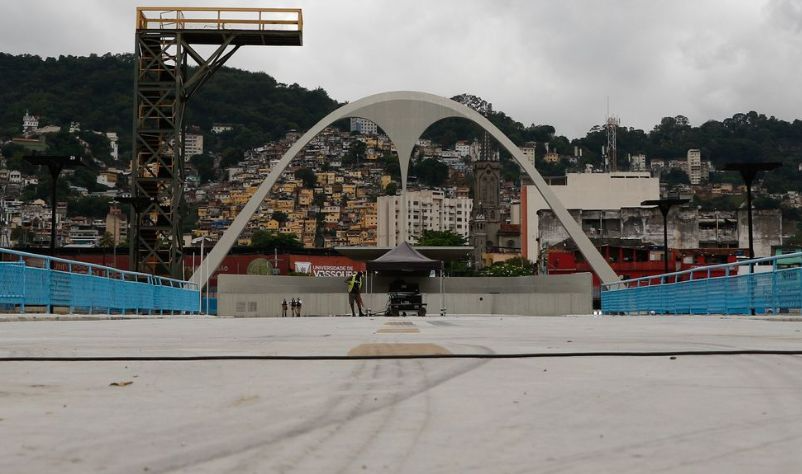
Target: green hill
{"x":97,"y":91}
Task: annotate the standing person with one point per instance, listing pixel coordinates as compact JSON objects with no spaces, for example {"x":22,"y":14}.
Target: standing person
{"x":300,"y":304}
{"x":354,"y":292}
{"x":293,"y":305}
{"x":284,"y":308}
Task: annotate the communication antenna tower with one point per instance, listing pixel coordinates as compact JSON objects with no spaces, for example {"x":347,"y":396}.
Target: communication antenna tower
{"x":611,"y":155}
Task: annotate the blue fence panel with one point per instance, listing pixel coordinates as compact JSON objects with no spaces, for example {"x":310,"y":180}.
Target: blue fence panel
{"x":37,"y":286}
{"x":697,"y":292}
{"x":789,"y":288}
{"x":212,"y":307}
{"x":12,"y":282}
{"x":717,"y":294}
{"x":29,"y":280}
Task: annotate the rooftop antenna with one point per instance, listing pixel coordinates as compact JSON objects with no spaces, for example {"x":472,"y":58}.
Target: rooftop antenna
{"x":611,"y":157}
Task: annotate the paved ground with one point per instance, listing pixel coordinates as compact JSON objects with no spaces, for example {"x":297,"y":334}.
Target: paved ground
{"x":581,"y":414}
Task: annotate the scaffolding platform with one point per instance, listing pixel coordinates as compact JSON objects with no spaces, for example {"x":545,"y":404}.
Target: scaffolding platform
{"x":252,"y":26}
{"x":165,"y":81}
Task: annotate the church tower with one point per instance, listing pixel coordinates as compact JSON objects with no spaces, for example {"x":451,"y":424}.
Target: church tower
{"x":486,"y":219}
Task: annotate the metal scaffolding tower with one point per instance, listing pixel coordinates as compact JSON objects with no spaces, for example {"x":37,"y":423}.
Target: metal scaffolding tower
{"x":170,"y":69}
{"x":611,"y":154}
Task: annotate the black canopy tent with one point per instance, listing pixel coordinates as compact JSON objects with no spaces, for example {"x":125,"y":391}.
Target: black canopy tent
{"x":405,"y":261}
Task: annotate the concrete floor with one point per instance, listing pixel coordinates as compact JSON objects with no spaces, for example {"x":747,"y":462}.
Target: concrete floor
{"x":735,"y":413}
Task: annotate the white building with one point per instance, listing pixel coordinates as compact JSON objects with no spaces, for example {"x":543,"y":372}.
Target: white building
{"x":221,"y":127}
{"x":29,"y":122}
{"x":47,"y":129}
{"x":193,"y":145}
{"x":83,"y":235}
{"x":113,"y":144}
{"x":426,"y":210}
{"x":637,"y":163}
{"x":694,"y":168}
{"x":590,"y":191}
{"x":463,"y":148}
{"x":363,"y":126}
{"x":529,"y":151}
{"x":106,"y":178}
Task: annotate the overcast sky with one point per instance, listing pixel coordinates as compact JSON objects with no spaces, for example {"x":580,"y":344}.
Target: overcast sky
{"x":543,"y":62}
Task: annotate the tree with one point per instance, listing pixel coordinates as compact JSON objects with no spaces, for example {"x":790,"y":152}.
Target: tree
{"x":22,"y":235}
{"x":95,"y":207}
{"x":766,"y":202}
{"x":431,"y":172}
{"x":307,"y":175}
{"x":676,"y":176}
{"x":205,"y":166}
{"x":356,"y":153}
{"x":106,"y":240}
{"x":517,"y":266}
{"x":796,"y":239}
{"x":391,"y":165}
{"x":268,"y":240}
{"x":391,"y":189}
{"x":280,"y":217}
{"x":441,"y":238}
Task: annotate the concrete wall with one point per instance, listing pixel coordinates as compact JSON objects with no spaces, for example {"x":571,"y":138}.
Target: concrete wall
{"x":685,"y":227}
{"x":257,"y":295}
{"x":597,"y":191}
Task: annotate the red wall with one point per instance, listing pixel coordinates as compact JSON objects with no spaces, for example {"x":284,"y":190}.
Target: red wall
{"x":317,"y":265}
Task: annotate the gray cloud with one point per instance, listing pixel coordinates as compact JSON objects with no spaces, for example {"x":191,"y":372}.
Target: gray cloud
{"x":539,"y":61}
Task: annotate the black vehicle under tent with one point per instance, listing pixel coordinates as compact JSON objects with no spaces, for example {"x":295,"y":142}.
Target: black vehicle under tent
{"x":407,"y":265}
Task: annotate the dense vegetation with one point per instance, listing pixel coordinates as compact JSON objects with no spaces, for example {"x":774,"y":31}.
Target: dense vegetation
{"x":266,"y":240}
{"x":441,"y":238}
{"x":97,"y":91}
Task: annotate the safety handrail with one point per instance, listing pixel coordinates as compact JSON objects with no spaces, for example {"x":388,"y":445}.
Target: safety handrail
{"x":93,"y":267}
{"x":203,"y":17}
{"x":667,"y":277}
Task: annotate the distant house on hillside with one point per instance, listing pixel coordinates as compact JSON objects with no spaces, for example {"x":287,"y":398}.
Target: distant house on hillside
{"x":221,"y":127}
{"x":29,"y":123}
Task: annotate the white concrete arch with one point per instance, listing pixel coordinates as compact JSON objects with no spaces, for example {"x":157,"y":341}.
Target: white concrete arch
{"x":404,"y":116}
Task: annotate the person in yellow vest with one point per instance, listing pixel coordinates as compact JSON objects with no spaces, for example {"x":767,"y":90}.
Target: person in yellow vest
{"x":355,"y":283}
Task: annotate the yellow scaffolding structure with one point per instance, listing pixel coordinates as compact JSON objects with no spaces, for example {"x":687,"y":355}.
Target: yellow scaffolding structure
{"x":200,"y":18}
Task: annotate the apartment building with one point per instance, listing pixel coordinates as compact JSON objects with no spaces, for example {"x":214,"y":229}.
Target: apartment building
{"x":694,"y":166}
{"x":426,"y":210}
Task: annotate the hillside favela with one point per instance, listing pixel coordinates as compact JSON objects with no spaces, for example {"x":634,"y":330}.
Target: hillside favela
{"x":400,"y":237}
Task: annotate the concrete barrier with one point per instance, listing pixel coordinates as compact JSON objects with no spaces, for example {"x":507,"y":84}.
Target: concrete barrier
{"x":257,"y":295}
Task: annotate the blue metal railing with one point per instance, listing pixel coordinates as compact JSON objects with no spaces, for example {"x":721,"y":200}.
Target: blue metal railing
{"x":757,"y":286}
{"x":28,"y":279}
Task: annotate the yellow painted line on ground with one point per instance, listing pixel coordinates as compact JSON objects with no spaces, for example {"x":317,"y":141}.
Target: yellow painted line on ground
{"x":393,"y":349}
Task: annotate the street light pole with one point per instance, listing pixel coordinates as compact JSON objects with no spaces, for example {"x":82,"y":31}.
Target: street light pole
{"x":748,"y":173}
{"x":115,"y":233}
{"x":665,"y":206}
{"x":54,"y":163}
